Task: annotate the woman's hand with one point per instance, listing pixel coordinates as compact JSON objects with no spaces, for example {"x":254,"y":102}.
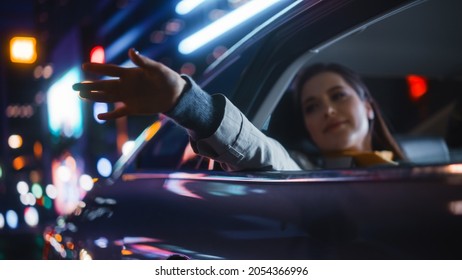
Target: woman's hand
{"x":147,"y":89}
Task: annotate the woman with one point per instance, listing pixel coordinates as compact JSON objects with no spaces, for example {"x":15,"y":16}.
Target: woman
{"x":216,"y":127}
{"x":341,"y":118}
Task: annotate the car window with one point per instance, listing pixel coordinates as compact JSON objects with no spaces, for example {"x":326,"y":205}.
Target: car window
{"x":417,"y":47}
{"x":165,"y":150}
{"x":412,"y":64}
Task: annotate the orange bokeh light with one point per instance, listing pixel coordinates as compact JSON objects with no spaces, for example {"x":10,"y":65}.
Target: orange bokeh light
{"x":23,"y":50}
{"x":19,"y":163}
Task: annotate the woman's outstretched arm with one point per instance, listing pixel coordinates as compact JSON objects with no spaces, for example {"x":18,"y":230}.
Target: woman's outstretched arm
{"x":217,"y":128}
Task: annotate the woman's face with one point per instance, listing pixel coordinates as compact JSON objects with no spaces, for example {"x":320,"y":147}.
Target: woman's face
{"x":334,"y":115}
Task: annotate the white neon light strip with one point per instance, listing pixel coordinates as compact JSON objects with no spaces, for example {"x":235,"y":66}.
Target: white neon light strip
{"x":186,"y":6}
{"x":224,"y":24}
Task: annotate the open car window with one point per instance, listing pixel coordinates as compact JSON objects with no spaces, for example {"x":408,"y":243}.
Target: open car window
{"x":411,"y":62}
{"x":412,"y":65}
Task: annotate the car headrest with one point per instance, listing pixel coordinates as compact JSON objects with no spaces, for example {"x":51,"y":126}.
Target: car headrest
{"x":424,"y":149}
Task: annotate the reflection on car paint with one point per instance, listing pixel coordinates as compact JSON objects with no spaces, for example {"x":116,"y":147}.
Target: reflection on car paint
{"x":137,"y":239}
{"x":152,"y":248}
{"x":147,"y":251}
{"x":179,"y":187}
{"x":222,"y":189}
{"x":329,"y":175}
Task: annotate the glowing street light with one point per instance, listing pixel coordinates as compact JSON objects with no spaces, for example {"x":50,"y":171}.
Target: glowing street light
{"x":224,"y":24}
{"x":186,"y":6}
{"x":23,"y":50}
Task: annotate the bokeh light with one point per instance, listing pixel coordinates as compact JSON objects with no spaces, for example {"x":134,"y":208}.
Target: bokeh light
{"x":38,"y":71}
{"x":64,"y":173}
{"x":101,"y":242}
{"x":28,"y":199}
{"x":12,"y":219}
{"x":86,"y":182}
{"x":127,"y":147}
{"x":104,"y":167}
{"x":188,"y":68}
{"x":35,"y":176}
{"x":37,"y":190}
{"x":84,"y":255}
{"x":38,"y":149}
{"x":15,"y":141}
{"x":97,"y":55}
{"x":22,"y":187}
{"x":186,"y":6}
{"x":19,"y":163}
{"x":31,"y":216}
{"x":65,"y":116}
{"x":99,"y":108}
{"x":22,"y":50}
{"x":2,"y":221}
{"x":51,"y":191}
{"x":47,"y":71}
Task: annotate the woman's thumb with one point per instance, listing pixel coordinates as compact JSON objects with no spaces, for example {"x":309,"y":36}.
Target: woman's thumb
{"x":141,"y":60}
{"x":137,"y":58}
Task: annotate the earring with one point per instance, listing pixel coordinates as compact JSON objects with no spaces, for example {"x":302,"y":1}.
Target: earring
{"x":370,"y":115}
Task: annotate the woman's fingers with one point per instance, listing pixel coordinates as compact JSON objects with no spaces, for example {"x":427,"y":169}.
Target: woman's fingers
{"x":135,"y":57}
{"x":98,"y":96}
{"x":117,"y":113}
{"x":100,"y":91}
{"x":147,"y":89}
{"x":104,"y":69}
{"x":143,"y":61}
{"x":110,"y":86}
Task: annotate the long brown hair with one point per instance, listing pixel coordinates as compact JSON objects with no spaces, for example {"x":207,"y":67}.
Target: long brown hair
{"x":382,"y":138}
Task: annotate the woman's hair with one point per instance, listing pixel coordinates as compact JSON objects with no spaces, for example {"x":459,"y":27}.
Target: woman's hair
{"x":381,"y":136}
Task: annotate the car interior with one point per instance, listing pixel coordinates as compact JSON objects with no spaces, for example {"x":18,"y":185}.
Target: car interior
{"x":422,"y":41}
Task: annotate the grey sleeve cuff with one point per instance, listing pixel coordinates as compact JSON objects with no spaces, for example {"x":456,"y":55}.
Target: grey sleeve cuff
{"x":197,"y":111}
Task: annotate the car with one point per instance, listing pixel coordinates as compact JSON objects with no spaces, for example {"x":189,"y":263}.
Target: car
{"x":163,"y":202}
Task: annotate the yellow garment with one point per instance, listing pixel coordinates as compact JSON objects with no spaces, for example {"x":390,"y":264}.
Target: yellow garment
{"x":366,"y":159}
